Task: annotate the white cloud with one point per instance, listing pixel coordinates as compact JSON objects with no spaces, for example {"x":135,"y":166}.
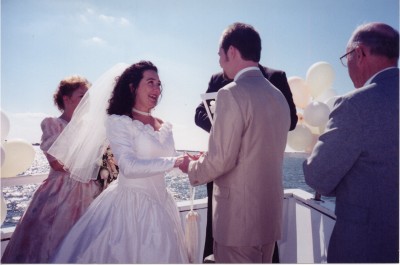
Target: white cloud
{"x":121,"y":21}
{"x":107,"y":19}
{"x":95,"y":41}
{"x":91,"y":19}
{"x":90,"y":11}
{"x":92,"y":16}
{"x":124,"y":21}
{"x":86,"y":17}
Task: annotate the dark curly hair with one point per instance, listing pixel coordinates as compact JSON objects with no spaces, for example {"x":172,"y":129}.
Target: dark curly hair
{"x":122,"y":98}
{"x":68,"y":86}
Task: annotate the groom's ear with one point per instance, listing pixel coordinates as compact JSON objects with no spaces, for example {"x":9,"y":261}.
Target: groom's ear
{"x":232,"y":52}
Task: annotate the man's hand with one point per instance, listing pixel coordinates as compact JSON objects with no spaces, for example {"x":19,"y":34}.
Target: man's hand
{"x":196,"y":156}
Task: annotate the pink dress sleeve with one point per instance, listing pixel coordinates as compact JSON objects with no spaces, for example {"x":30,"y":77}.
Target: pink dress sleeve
{"x":51,"y":128}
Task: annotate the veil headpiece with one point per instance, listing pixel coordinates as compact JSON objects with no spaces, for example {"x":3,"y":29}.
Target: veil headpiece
{"x":81,"y":144}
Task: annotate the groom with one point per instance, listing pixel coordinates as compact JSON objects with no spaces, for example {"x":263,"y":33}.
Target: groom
{"x":217,"y":81}
{"x":245,"y":154}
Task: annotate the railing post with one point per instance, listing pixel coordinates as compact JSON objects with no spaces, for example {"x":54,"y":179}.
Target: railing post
{"x":317,"y":196}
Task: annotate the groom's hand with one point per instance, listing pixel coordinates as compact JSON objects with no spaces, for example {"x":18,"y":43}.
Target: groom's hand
{"x":195,"y":157}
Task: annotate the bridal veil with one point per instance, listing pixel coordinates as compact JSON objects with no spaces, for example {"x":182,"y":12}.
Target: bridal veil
{"x":82,"y":143}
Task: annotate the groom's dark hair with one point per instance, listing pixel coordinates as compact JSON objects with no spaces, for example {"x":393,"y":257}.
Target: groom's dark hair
{"x":123,"y":98}
{"x":244,"y":38}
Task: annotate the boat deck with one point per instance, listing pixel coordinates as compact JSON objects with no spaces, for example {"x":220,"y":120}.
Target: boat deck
{"x":307,"y":227}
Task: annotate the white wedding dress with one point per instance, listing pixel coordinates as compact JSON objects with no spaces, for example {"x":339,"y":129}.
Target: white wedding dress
{"x":134,"y":220}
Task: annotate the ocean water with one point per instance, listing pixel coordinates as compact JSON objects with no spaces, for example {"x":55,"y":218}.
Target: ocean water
{"x":18,"y":197}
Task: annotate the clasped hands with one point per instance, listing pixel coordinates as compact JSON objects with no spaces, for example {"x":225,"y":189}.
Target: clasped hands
{"x":183,"y":161}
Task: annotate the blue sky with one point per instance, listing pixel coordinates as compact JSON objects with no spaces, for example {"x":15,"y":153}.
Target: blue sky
{"x":43,"y":41}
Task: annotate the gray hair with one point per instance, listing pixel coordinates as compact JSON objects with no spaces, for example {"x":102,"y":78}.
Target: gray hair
{"x":381,"y":38}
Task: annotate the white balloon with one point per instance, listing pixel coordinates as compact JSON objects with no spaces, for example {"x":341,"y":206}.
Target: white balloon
{"x":316,"y":114}
{"x":300,"y":138}
{"x":3,"y":155}
{"x":314,"y":130}
{"x":327,"y":94}
{"x":5,"y":126}
{"x":3,"y":214}
{"x":319,"y":78}
{"x":331,"y":102}
{"x":19,"y":156}
{"x":299,"y":90}
{"x":313,"y":142}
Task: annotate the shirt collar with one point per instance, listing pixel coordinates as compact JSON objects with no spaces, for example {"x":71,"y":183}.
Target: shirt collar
{"x":372,"y":77}
{"x":244,"y":70}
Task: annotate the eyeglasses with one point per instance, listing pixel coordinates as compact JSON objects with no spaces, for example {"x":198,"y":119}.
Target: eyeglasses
{"x":343,"y":59}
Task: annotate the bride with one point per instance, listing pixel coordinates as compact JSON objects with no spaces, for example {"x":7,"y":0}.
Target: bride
{"x":134,"y":220}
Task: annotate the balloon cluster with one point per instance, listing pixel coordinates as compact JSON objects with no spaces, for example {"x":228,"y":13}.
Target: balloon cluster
{"x":314,"y":98}
{"x":17,"y":155}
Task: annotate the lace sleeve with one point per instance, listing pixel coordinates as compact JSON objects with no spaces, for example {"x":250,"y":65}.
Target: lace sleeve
{"x":120,"y":136}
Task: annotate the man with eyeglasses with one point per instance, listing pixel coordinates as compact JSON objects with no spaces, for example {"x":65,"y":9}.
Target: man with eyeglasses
{"x":357,"y":158}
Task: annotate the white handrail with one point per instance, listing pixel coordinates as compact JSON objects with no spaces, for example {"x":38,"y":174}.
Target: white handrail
{"x":23,"y":180}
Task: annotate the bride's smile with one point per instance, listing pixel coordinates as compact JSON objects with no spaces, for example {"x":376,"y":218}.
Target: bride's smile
{"x":148,"y":91}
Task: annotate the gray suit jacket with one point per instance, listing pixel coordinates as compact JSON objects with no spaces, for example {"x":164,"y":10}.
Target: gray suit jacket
{"x":357,"y":160}
{"x":244,"y":159}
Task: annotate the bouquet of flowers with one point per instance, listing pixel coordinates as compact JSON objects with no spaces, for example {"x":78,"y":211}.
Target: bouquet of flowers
{"x":108,"y":169}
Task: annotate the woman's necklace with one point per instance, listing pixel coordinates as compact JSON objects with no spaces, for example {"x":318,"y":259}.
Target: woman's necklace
{"x":141,"y":112}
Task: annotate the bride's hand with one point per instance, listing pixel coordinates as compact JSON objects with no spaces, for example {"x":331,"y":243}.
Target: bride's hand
{"x":178,"y":161}
{"x":184,"y":166}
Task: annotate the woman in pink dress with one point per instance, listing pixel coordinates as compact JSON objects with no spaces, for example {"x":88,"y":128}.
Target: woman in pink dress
{"x":60,"y":200}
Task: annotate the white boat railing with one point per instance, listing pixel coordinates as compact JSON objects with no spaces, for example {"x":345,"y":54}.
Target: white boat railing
{"x":307,"y":226}
{"x":23,"y":180}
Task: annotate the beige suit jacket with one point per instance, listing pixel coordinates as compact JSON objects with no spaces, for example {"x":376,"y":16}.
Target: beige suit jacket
{"x":244,"y":159}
